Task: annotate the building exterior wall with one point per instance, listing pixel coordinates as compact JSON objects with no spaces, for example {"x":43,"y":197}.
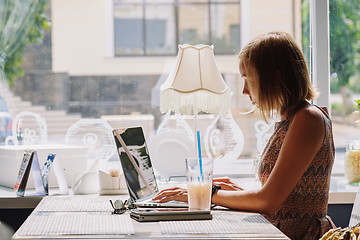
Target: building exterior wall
{"x":275,"y":15}
{"x":82,"y":36}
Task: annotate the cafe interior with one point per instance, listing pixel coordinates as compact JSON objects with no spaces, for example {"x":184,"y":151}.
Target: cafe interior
{"x":96,"y":93}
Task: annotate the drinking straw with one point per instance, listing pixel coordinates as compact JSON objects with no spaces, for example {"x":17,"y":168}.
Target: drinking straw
{"x":199,"y":150}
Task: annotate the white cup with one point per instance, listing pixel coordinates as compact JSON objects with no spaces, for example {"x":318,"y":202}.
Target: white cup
{"x":199,"y":182}
{"x":115,"y":183}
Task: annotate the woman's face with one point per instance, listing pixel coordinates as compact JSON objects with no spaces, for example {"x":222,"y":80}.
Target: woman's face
{"x":250,"y":83}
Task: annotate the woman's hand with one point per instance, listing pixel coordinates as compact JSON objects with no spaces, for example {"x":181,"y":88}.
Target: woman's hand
{"x":172,"y":194}
{"x":227,"y":184}
{"x":181,"y":194}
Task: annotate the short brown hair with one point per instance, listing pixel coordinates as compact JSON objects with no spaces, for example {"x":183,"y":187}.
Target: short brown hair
{"x":284,"y":82}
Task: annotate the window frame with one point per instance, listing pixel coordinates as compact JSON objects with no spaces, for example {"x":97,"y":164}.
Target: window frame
{"x":320,"y":50}
{"x":110,"y":25}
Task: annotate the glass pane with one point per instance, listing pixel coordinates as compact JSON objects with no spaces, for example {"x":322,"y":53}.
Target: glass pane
{"x":160,"y":30}
{"x":260,"y":18}
{"x":344,"y":74}
{"x":193,"y":24}
{"x":305,"y":31}
{"x":87,"y":76}
{"x":225,"y":28}
{"x":128,"y":27}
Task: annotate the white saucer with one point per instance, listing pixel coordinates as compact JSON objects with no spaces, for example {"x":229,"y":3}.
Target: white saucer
{"x":168,"y":152}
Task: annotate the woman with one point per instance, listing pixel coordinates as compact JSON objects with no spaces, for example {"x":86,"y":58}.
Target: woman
{"x":296,"y":164}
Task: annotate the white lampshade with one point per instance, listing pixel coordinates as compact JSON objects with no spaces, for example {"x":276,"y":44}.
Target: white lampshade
{"x":195,"y":84}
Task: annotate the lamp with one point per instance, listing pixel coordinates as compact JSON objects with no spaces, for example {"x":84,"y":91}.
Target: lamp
{"x":195,"y":84}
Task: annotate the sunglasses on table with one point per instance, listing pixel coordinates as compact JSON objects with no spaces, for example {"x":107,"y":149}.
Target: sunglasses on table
{"x":120,"y":207}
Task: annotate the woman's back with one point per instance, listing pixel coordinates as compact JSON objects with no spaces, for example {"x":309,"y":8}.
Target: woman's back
{"x":303,"y":214}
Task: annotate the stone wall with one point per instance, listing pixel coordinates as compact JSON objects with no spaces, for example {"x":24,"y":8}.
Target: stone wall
{"x":44,"y":88}
{"x":94,"y":96}
{"x":91,"y":96}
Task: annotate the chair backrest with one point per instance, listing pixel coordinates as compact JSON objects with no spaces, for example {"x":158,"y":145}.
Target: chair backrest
{"x":224,"y":138}
{"x":96,"y":135}
{"x":263,"y":133}
{"x":28,"y":128}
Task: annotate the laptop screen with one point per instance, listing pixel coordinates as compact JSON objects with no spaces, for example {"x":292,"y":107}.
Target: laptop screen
{"x":135,"y":161}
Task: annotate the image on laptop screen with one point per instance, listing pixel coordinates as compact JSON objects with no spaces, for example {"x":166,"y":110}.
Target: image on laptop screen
{"x":135,"y":160}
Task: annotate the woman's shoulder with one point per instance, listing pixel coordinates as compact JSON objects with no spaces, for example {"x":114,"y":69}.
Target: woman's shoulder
{"x":309,"y":114}
{"x":308,"y":126}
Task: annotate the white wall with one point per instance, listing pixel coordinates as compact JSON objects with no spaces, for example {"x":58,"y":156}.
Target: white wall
{"x":82,"y":43}
{"x":82,"y":37}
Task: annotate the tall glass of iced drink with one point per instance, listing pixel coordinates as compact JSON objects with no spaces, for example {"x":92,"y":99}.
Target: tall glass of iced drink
{"x":199,"y":182}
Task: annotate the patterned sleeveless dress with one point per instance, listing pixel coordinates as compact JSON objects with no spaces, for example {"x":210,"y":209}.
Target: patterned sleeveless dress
{"x":303,"y":214}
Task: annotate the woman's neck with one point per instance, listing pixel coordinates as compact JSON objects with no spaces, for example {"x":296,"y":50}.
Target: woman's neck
{"x":285,"y":115}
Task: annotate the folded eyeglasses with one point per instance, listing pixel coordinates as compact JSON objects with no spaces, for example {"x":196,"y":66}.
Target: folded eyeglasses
{"x":120,"y":207}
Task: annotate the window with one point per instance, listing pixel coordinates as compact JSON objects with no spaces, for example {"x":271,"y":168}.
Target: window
{"x":69,"y":78}
{"x":157,"y":27}
{"x":344,"y":27}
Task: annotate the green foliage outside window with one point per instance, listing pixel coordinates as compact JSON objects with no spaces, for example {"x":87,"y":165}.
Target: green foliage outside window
{"x":357,"y":104}
{"x":35,"y":34}
{"x":344,"y":24}
{"x":305,"y":26}
{"x":344,"y":17}
{"x":344,"y":38}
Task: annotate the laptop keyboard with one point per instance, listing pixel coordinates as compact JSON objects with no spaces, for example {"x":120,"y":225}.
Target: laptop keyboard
{"x":170,"y":204}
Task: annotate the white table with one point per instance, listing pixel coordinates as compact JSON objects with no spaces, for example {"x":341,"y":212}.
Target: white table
{"x":244,"y":225}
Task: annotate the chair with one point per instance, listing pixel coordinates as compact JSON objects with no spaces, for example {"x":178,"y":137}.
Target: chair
{"x":96,"y":135}
{"x":28,"y":128}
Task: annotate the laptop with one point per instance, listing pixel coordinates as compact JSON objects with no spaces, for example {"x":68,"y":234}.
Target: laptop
{"x":137,"y":167}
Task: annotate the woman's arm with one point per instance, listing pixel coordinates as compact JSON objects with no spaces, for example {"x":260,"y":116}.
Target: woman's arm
{"x":303,"y":140}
